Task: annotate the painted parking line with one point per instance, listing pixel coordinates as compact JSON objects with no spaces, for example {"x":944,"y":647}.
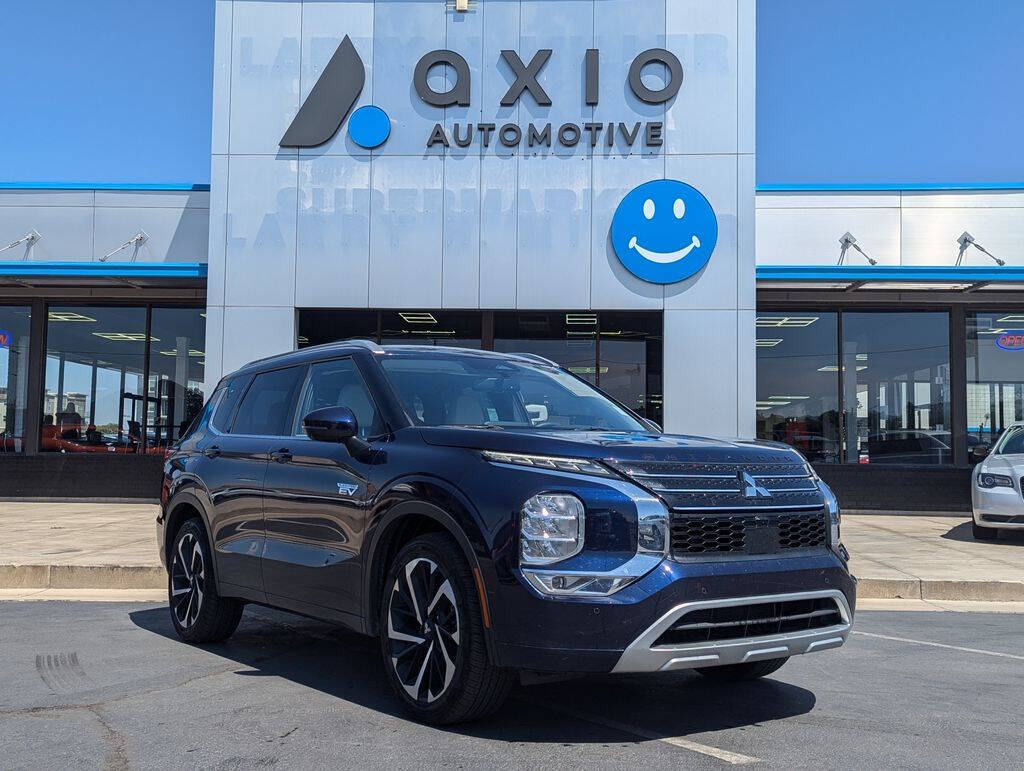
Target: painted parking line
{"x":939,"y":645}
{"x":733,"y":758}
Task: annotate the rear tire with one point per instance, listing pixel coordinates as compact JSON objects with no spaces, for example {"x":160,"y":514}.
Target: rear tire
{"x":732,"y":673}
{"x":432,"y":636}
{"x":983,"y":533}
{"x":198,"y":613}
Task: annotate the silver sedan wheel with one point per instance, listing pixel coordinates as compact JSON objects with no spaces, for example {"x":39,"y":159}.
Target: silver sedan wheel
{"x":188,"y":580}
{"x":423,"y":630}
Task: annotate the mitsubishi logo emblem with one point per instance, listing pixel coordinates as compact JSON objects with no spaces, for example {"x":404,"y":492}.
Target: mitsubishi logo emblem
{"x":749,"y":486}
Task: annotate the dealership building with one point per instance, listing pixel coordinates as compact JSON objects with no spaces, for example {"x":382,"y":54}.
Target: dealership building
{"x":570,"y":178}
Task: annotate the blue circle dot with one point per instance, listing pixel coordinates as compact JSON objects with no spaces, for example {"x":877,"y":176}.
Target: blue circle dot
{"x":369,"y":126}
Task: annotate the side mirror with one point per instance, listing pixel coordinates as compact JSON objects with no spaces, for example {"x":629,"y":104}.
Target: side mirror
{"x":979,"y":452}
{"x":331,"y":424}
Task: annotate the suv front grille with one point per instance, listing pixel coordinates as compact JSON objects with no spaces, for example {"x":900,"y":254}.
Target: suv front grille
{"x":737,"y":622}
{"x":749,"y":533}
{"x":690,"y":486}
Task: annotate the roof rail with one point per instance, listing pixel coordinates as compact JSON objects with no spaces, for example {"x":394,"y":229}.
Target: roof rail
{"x":536,"y":358}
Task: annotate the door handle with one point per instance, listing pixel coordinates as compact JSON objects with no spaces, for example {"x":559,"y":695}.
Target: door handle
{"x":282,"y":456}
{"x":212,"y":452}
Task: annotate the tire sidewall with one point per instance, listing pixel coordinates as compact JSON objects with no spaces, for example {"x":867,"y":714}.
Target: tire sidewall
{"x":195,"y":528}
{"x":447,"y":559}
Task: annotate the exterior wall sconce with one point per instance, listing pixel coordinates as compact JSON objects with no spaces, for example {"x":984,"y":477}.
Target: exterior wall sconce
{"x":29,"y":239}
{"x":967,"y":240}
{"x":460,"y":5}
{"x":846,"y":242}
{"x":136,"y":241}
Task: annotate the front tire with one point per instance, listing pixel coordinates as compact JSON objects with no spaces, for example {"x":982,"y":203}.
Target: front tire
{"x":432,"y":637}
{"x":732,"y":673}
{"x":198,"y":612}
{"x":983,"y":533}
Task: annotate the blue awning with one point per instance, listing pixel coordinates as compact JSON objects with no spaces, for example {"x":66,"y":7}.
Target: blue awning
{"x":899,"y":277}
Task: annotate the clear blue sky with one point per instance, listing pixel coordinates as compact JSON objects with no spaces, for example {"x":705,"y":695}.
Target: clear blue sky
{"x":106,"y":90}
{"x":872,"y":91}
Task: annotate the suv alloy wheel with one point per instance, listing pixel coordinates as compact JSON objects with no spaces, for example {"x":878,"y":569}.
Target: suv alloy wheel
{"x":432,"y":638}
{"x":198,"y":613}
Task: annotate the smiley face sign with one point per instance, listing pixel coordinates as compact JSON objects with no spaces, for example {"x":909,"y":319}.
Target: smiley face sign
{"x":664,"y":231}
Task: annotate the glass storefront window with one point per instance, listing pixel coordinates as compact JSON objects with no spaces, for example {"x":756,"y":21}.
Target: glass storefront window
{"x":176,"y":371}
{"x":451,"y":328}
{"x":94,"y":388}
{"x":896,"y":387}
{"x":568,"y":339}
{"x":14,"y":346}
{"x":995,"y":375}
{"x":461,"y":329}
{"x":798,"y":382}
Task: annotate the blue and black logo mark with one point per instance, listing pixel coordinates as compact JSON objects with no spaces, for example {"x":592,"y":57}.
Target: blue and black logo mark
{"x":333,"y":95}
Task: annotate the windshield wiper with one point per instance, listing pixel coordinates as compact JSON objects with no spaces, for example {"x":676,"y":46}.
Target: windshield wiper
{"x":490,"y":426}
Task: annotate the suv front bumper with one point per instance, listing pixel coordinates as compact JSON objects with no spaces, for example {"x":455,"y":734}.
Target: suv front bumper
{"x":645,"y":654}
{"x":617,"y":633}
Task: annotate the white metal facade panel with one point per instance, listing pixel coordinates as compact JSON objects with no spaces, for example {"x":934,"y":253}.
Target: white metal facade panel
{"x":407,"y":226}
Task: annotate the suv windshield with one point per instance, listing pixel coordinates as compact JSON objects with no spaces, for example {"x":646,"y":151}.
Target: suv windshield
{"x":438,"y":390}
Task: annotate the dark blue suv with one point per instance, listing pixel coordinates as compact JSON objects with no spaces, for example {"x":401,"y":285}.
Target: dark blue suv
{"x":489,"y":516}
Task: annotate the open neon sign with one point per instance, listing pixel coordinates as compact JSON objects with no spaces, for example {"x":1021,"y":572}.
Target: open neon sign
{"x":1011,"y":340}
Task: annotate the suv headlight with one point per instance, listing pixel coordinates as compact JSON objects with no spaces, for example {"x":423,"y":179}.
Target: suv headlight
{"x":988,"y":481}
{"x":551,"y":527}
{"x":574,"y":465}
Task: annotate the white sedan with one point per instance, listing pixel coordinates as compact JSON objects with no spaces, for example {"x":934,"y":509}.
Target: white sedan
{"x":997,"y":494}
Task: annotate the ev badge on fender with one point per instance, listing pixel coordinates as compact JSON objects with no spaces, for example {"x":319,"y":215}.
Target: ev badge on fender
{"x":347,"y":489}
{"x":664,"y":231}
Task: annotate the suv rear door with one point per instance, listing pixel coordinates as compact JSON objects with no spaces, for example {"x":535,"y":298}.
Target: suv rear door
{"x":234,"y":463}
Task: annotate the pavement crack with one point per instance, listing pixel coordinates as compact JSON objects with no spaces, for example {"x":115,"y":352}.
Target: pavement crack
{"x":117,"y":758}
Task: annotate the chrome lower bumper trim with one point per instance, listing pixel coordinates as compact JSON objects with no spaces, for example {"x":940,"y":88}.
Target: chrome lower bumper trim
{"x":642,"y":656}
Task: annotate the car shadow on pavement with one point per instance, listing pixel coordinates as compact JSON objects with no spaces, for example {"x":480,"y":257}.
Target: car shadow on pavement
{"x":592,"y":709}
{"x":962,"y":532}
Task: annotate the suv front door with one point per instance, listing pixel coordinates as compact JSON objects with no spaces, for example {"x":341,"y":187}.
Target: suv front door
{"x":315,"y":499}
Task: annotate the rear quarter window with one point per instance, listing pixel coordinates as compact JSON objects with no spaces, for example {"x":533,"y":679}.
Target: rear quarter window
{"x":224,"y":410}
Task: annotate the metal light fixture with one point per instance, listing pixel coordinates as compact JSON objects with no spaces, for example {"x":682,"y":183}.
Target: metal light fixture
{"x":137,"y":240}
{"x":29,"y":238}
{"x":846,"y":241}
{"x":967,"y":240}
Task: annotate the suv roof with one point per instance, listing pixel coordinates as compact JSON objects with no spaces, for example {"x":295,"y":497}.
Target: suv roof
{"x":348,"y":346}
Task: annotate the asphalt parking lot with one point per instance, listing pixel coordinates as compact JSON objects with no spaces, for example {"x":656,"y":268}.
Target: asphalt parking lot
{"x":108,"y":686}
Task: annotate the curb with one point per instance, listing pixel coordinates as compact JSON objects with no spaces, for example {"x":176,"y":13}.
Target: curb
{"x":929,"y":589}
{"x":100,"y":577}
{"x":82,"y":577}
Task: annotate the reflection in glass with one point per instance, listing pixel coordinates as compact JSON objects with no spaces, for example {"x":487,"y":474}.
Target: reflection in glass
{"x":93,"y":393}
{"x":896,"y":388}
{"x":14,"y":339}
{"x":176,"y":371}
{"x":798,"y":382}
{"x":995,"y":375}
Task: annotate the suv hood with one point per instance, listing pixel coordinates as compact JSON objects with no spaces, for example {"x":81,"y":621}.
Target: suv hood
{"x":609,"y":445}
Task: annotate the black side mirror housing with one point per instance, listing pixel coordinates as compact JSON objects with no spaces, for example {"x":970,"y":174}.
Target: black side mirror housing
{"x":979,"y":452}
{"x":335,"y":424}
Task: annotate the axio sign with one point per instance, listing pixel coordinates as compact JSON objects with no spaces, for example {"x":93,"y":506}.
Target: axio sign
{"x":342,"y":80}
{"x":662,"y":232}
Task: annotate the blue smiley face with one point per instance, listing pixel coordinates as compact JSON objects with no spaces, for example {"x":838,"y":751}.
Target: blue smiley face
{"x":664,"y":231}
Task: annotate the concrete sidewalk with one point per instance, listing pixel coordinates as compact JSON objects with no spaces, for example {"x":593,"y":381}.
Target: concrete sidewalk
{"x":93,"y":546}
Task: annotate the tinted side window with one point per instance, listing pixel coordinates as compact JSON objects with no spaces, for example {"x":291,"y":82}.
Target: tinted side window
{"x":203,"y":417}
{"x":232,"y":392}
{"x":339,"y":384}
{"x":267,"y":404}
